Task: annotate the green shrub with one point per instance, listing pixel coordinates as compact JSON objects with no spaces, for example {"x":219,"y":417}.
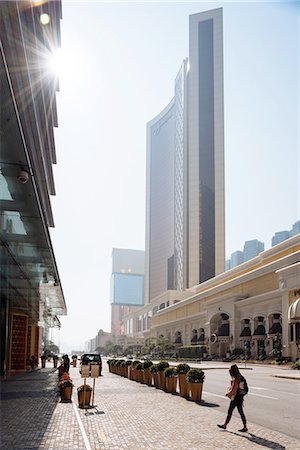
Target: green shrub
{"x":139,"y":366}
{"x":153,"y":368}
{"x":182,"y":368}
{"x":162,"y":365}
{"x":296,"y":365}
{"x":195,"y":376}
{"x":110,"y":362}
{"x":170,"y":372}
{"x":128,"y":362}
{"x":135,"y":363}
{"x":147,"y":364}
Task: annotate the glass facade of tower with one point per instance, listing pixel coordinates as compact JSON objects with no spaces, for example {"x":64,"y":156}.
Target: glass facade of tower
{"x":206,"y":151}
{"x":180,"y":138}
{"x":185,"y":224}
{"x":161,"y":160}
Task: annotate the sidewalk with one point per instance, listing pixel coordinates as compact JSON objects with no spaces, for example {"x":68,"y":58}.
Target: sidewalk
{"x":129,"y":415}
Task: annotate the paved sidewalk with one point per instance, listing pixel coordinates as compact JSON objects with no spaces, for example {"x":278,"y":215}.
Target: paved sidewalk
{"x":129,"y":415}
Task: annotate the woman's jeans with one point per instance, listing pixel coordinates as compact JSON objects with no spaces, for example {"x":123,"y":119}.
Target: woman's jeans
{"x":236,"y":402}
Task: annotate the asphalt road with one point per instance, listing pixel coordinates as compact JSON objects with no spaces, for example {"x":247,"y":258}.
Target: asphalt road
{"x":271,"y":402}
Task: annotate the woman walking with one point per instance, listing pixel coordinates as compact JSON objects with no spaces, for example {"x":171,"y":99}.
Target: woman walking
{"x":238,"y":388}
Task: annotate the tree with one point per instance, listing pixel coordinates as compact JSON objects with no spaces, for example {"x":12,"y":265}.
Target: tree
{"x":163,"y":345}
{"x":277,"y":348}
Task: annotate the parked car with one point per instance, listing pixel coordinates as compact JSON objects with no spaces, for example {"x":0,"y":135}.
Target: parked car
{"x":91,"y":359}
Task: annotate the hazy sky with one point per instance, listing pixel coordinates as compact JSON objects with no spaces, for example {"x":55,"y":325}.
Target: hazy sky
{"x":118,"y":65}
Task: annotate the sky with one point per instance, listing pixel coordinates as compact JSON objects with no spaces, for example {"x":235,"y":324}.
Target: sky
{"x":117,"y":66}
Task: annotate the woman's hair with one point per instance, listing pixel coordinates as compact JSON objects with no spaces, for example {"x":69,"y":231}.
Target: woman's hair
{"x":234,"y":372}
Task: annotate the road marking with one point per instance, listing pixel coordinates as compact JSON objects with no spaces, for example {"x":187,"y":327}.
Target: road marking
{"x":215,"y":395}
{"x":223,"y":396}
{"x":264,"y":396}
{"x":259,"y":388}
{"x":84,"y":435}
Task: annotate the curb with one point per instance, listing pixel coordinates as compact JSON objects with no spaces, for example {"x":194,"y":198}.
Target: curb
{"x":290,"y":377}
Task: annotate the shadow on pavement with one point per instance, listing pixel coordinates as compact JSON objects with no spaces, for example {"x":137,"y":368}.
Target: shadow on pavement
{"x":259,"y":440}
{"x":28,"y":401}
{"x":209,"y":405}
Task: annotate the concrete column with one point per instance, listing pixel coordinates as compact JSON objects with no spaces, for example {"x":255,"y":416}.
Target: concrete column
{"x":285,"y":326}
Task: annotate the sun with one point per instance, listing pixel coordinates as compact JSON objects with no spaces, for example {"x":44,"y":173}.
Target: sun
{"x":56,"y":63}
{"x":64,"y":64}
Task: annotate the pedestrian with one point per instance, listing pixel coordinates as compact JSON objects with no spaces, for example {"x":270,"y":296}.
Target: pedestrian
{"x":66,"y":360}
{"x":32,"y":362}
{"x":238,"y":388}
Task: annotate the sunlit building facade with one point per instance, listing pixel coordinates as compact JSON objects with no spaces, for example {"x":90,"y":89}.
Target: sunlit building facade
{"x":30,"y":287}
{"x":127,"y":285}
{"x":185,"y":212}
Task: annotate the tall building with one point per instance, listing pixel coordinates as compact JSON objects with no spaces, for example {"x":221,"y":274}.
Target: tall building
{"x":281,"y":236}
{"x":30,"y":288}
{"x":252,"y":248}
{"x":185,"y":212}
{"x":127,"y":285}
{"x":236,"y":259}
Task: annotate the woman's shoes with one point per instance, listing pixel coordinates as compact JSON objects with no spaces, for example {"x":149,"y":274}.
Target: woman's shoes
{"x":222,"y":426}
{"x":243,"y":430}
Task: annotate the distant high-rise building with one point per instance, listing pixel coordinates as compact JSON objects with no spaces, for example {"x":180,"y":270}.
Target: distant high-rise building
{"x":236,"y":259}
{"x":227,"y":264}
{"x":295,"y":229}
{"x":252,"y":248}
{"x":127,"y":285}
{"x":185,"y":237}
{"x":280,"y":236}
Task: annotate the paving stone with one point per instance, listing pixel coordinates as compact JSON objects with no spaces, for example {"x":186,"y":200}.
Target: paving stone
{"x":134,"y":416}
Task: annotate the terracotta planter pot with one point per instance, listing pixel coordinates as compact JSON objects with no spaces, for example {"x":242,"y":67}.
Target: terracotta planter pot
{"x":183,"y":385}
{"x":161,"y":380}
{"x":155,"y":380}
{"x":66,"y":394}
{"x":84,"y":400}
{"x":196,"y":391}
{"x":149,"y":377}
{"x":171,"y":384}
{"x":139,"y":376}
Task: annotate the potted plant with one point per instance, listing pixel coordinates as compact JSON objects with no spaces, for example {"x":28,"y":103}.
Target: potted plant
{"x":127,"y":368}
{"x":147,"y":377}
{"x":182,"y":369}
{"x":139,"y":372}
{"x":133,"y":369}
{"x":43,"y":359}
{"x":74,"y":360}
{"x":170,"y":374}
{"x":124,"y":369}
{"x":66,"y":388}
{"x":110,"y":364}
{"x":161,"y":366}
{"x":195,"y":378}
{"x":154,"y":373}
{"x":55,"y":359}
{"x":84,"y":392}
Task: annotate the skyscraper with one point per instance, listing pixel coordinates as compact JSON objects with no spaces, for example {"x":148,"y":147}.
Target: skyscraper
{"x":185,"y":232}
{"x":127,"y":285}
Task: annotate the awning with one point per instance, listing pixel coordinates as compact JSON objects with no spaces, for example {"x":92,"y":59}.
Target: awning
{"x":294,"y":312}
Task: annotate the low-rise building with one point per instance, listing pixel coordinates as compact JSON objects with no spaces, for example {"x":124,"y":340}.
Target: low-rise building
{"x":245,"y":308}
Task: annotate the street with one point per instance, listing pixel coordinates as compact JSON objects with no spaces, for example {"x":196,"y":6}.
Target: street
{"x":271,"y":402}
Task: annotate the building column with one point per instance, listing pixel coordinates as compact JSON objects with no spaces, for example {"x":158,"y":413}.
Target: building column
{"x":285,"y":326}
